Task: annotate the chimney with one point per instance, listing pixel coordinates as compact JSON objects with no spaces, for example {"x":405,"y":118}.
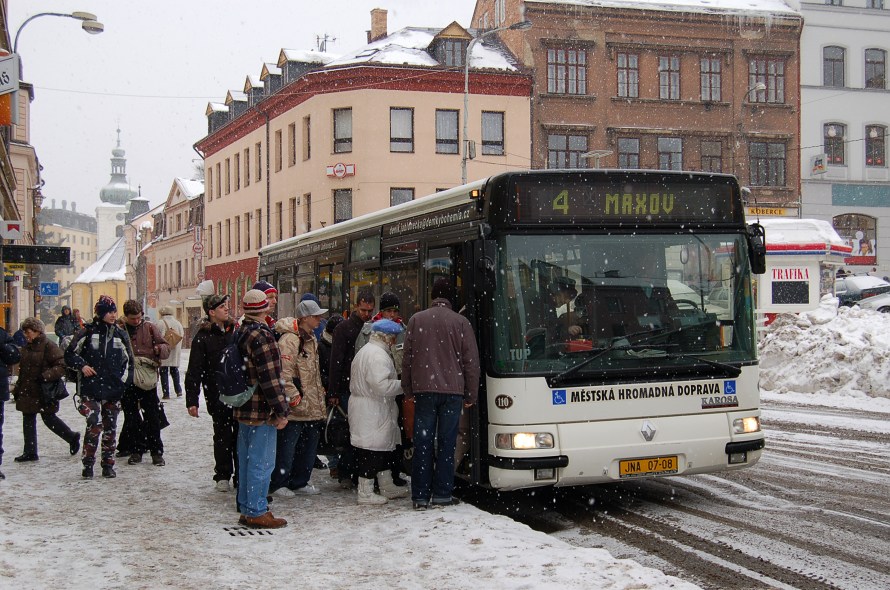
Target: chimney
{"x":378,"y":25}
{"x":64,"y":204}
{"x":53,"y":201}
{"x":73,"y":207}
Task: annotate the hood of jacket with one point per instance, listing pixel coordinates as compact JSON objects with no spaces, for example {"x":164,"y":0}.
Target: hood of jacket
{"x":287,"y":325}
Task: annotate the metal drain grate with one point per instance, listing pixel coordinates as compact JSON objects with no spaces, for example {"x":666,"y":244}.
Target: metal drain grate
{"x":243,"y":531}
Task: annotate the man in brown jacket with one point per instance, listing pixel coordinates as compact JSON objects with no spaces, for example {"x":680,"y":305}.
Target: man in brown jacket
{"x":141,"y":431}
{"x":440,"y":371}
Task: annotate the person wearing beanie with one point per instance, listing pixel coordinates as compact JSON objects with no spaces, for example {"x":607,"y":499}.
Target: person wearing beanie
{"x":170,"y":365}
{"x":215,"y":332}
{"x":374,"y":415}
{"x":342,"y":353}
{"x":261,"y":416}
{"x":441,"y":373}
{"x":100,"y":354}
{"x":42,"y":361}
{"x":297,"y":443}
{"x":272,"y":298}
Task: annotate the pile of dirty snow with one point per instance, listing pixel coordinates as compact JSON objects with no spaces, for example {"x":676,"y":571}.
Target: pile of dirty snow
{"x":836,"y":351}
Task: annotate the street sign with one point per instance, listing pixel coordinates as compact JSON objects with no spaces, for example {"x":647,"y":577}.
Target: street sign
{"x":49,"y":289}
{"x":12,"y":230}
{"x":198,"y":248}
{"x":9,"y":73}
{"x":54,"y":255}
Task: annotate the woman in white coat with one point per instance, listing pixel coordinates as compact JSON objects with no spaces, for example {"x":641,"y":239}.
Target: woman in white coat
{"x":170,"y":365}
{"x":373,"y":414}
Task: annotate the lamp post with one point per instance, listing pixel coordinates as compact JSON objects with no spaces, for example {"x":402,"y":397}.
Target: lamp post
{"x":759,"y":87}
{"x":520,"y":26}
{"x":87,"y":19}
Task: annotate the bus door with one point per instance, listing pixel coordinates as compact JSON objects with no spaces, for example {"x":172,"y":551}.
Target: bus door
{"x":364,"y":266}
{"x":330,"y":288}
{"x":284,"y":282}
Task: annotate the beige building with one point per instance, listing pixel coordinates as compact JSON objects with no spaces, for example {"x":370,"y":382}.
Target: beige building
{"x":328,"y":139}
{"x":77,"y":231}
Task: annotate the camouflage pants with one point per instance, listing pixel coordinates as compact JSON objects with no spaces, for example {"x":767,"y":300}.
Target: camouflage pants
{"x":101,"y":420}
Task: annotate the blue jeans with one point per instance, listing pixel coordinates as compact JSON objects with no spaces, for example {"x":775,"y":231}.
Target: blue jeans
{"x":256,"y":457}
{"x":436,"y":418}
{"x":295,"y":455}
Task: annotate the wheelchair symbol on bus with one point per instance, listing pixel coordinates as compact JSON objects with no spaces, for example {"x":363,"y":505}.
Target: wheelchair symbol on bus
{"x":559,"y":397}
{"x":729,"y":388}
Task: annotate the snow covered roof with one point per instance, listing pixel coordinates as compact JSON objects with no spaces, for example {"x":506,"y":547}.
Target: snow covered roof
{"x":190,"y":187}
{"x":111,"y":266}
{"x":309,"y":56}
{"x":779,"y":7}
{"x":252,"y":82}
{"x":235,"y":95}
{"x":269,"y":69}
{"x":802,"y":236}
{"x":216,"y":107}
{"x":409,"y":46}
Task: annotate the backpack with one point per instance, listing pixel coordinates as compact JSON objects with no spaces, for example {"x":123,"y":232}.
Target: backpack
{"x":232,"y":380}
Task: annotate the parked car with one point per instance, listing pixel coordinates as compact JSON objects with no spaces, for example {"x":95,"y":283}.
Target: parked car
{"x":850,"y":290}
{"x":878,"y":303}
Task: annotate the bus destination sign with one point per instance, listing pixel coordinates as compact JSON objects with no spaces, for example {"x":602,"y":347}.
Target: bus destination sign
{"x":625,"y":203}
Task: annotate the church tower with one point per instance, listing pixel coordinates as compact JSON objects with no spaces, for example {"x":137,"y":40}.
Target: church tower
{"x":111,"y":215}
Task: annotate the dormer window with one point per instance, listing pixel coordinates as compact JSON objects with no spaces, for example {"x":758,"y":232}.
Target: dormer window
{"x":452,"y":52}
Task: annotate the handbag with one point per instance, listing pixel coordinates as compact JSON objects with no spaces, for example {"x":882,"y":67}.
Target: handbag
{"x":336,"y":429}
{"x":145,"y":373}
{"x":172,"y":338}
{"x":52,"y":391}
{"x":163,"y":422}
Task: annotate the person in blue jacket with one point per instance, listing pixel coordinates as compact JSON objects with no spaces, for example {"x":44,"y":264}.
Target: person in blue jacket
{"x":9,"y":355}
{"x":100,"y":355}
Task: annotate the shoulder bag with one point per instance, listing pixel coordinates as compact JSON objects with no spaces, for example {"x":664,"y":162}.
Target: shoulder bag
{"x":171,"y":337}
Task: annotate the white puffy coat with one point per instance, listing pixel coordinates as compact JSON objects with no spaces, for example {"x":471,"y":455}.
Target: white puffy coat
{"x":168,"y":321}
{"x":373,"y":414}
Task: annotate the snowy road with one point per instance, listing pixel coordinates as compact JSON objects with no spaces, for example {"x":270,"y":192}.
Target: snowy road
{"x":814,"y":513}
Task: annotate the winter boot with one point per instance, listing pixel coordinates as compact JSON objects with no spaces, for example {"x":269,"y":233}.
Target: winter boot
{"x":366,"y":493}
{"x":87,"y":472}
{"x":388,"y":488}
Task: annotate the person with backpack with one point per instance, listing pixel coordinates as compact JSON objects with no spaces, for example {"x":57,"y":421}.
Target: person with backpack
{"x":295,"y":453}
{"x":173,"y":333}
{"x":9,"y":355}
{"x":261,"y":415}
{"x":101,"y":354}
{"x":42,"y":362}
{"x":141,"y":431}
{"x":215,"y":332}
{"x":65,"y":326}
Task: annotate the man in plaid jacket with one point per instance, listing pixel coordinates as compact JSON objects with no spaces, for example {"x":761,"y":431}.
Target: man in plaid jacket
{"x":261,"y":416}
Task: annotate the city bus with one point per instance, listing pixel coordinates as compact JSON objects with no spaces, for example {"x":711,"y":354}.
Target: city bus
{"x":603,"y":356}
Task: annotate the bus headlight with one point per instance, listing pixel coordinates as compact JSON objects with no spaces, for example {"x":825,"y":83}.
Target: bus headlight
{"x":524,"y":440}
{"x":746,"y":425}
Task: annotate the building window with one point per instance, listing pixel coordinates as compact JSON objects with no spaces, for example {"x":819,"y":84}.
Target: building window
{"x":669,"y":77}
{"x":452,"y":52}
{"x":875,"y":68}
{"x":446,"y":132}
{"x":834,"y":2}
{"x":237,"y":234}
{"x":209,"y":183}
{"x":307,"y":146}
{"x":833,"y":59}
{"x":278,"y":150}
{"x":293,"y":216}
{"x":258,"y":148}
{"x":492,"y":133}
{"x":178,"y":222}
{"x":860,"y":232}
{"x":292,"y":144}
{"x":237,"y":171}
{"x":279,"y":220}
{"x":219,"y":239}
{"x":228,"y":176}
{"x":565,"y":151}
{"x":711,"y":71}
{"x":397,"y":196}
{"x":875,"y":142}
{"x":307,"y":200}
{"x":228,"y":237}
{"x":628,"y":75}
{"x":834,"y":142}
{"x":566,"y":71}
{"x":878,"y":4}
{"x":342,"y":204}
{"x":629,"y":152}
{"x":767,"y":163}
{"x":670,"y":153}
{"x":342,"y":131}
{"x":258,"y":215}
{"x":218,"y":180}
{"x":246,"y":166}
{"x":401,"y":130}
{"x":712,"y":156}
{"x":771,"y":73}
{"x":247,"y":232}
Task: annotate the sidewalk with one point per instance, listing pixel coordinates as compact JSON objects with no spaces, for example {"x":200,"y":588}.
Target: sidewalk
{"x":167,"y":527}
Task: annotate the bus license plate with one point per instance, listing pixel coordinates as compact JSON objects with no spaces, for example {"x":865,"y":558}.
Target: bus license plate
{"x":650,"y":466}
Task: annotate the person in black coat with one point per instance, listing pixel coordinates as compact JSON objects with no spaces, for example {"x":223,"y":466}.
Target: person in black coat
{"x":65,"y":326}
{"x":214,"y":333}
{"x":9,"y":355}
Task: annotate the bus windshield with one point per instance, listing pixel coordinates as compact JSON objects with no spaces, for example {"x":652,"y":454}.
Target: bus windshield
{"x":587,"y":306}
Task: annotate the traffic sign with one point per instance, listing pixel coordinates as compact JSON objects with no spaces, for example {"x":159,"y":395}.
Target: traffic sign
{"x":198,"y":248}
{"x":9,"y":73}
{"x":49,"y":289}
{"x":12,"y":230}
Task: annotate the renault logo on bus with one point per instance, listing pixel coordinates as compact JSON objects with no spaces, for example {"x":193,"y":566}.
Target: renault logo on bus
{"x":648,"y":431}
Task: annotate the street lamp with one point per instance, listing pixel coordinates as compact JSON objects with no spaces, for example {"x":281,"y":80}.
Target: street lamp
{"x":759,"y":87}
{"x":88,"y":23}
{"x":520,"y":26}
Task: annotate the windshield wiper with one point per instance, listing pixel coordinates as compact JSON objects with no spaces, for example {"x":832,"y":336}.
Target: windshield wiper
{"x":622,"y":343}
{"x":656,"y":354}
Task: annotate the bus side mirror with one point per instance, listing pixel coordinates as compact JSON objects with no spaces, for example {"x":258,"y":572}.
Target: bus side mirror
{"x":757,"y":248}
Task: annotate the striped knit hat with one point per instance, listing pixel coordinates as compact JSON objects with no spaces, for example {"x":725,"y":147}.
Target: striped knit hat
{"x":255,"y":304}
{"x":265,"y":287}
